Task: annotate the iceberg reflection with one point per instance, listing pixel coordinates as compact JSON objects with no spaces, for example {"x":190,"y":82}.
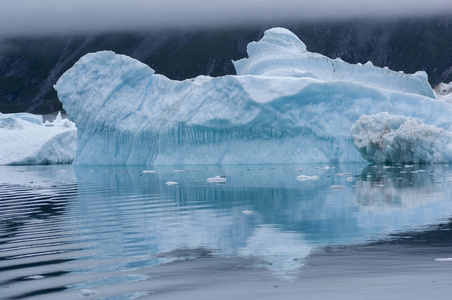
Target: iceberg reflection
{"x":259,"y":211}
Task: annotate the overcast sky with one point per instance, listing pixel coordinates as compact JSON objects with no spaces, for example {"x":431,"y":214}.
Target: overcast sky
{"x":18,"y":17}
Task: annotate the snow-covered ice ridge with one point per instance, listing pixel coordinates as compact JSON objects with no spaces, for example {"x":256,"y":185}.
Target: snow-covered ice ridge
{"x":26,"y":139}
{"x":281,"y":53}
{"x":286,"y":105}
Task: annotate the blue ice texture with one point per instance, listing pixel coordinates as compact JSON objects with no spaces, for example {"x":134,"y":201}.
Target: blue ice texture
{"x":285,"y":105}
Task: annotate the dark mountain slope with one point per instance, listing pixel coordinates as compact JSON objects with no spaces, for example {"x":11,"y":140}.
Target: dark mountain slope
{"x":30,"y":66}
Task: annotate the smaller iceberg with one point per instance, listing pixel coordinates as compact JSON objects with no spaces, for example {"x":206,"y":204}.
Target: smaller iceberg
{"x":26,"y":139}
{"x":385,"y":138}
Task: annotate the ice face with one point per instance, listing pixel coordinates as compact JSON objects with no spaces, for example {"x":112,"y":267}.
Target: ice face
{"x":126,"y":114}
{"x":25,"y":139}
{"x":385,"y":138}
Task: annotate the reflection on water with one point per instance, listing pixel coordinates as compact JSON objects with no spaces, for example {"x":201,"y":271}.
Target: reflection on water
{"x":91,"y":228}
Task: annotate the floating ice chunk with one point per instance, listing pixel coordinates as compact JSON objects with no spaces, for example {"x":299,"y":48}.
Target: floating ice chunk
{"x":217,"y":179}
{"x":326,"y":168}
{"x":171,"y":183}
{"x":444,"y":259}
{"x":385,"y":138}
{"x":349,"y":179}
{"x":247,"y":212}
{"x":35,"y":277}
{"x":307,"y":177}
{"x":149,"y":171}
{"x":336,"y":187}
{"x":87,"y":293}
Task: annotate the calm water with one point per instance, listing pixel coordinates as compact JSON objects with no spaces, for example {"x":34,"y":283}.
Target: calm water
{"x":376,"y":232}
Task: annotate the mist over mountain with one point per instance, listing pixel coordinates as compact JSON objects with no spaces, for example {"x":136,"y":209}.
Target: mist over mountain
{"x":30,"y":66}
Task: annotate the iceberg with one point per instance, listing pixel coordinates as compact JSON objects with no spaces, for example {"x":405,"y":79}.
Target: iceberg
{"x":286,"y":105}
{"x":26,"y":139}
{"x":385,"y":138}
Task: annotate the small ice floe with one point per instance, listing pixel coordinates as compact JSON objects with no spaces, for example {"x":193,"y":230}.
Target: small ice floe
{"x":387,"y":167}
{"x":306,"y":177}
{"x":171,"y":183}
{"x":449,"y":259}
{"x":247,"y":212}
{"x":335,"y":187}
{"x":344,"y":174}
{"x":325,"y":168}
{"x":87,"y":293}
{"x":417,"y":171}
{"x":35,"y":277}
{"x":149,"y":171}
{"x":180,"y":171}
{"x":409,"y":166}
{"x":217,"y":179}
{"x":349,"y":179}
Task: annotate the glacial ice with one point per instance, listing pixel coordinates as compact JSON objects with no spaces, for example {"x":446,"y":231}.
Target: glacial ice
{"x":25,"y":139}
{"x":286,"y":105}
{"x":281,"y":51}
{"x":385,"y":138}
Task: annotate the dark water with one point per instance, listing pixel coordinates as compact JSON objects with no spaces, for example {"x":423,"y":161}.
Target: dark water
{"x":359,"y":231}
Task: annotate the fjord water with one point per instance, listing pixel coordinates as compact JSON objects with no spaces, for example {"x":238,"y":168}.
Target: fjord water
{"x":170,"y":233}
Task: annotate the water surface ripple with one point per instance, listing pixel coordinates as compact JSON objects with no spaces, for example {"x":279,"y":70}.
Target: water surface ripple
{"x":106,"y":233}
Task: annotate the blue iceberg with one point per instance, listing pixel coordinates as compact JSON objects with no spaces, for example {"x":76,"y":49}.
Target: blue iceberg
{"x":286,"y":105}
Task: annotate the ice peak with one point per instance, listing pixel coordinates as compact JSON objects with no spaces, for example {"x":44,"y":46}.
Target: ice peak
{"x":283,"y":37}
{"x":281,"y":53}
